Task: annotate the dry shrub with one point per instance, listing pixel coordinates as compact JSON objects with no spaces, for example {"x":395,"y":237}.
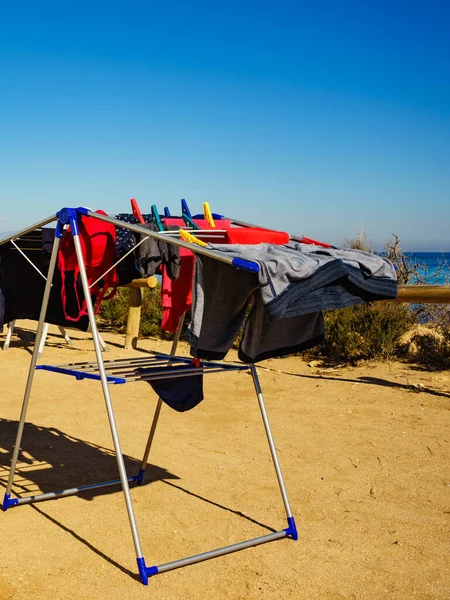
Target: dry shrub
{"x":366,"y":331}
{"x":432,"y":351}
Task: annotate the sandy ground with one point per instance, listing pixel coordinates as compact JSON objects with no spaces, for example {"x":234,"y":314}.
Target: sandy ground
{"x":364,"y":451}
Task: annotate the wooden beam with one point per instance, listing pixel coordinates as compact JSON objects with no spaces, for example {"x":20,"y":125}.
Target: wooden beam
{"x":424,"y":294}
{"x":147,"y":282}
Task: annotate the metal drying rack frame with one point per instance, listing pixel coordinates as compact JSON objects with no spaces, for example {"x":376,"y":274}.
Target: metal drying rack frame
{"x":114,"y":372}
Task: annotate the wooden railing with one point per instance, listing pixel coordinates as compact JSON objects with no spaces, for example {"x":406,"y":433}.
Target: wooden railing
{"x":417,"y":294}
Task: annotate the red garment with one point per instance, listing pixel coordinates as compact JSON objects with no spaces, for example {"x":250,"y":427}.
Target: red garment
{"x":176,"y":295}
{"x":98,"y":244}
{"x":256,"y":235}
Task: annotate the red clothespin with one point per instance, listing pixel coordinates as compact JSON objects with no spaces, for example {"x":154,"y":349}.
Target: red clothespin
{"x":136,"y":211}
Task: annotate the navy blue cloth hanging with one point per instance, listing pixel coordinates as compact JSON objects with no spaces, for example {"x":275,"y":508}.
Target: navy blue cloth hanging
{"x":180,"y":393}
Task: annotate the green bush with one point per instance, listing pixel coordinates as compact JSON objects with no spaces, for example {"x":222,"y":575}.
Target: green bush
{"x":365,"y":331}
{"x":151,"y":313}
{"x":114,"y":312}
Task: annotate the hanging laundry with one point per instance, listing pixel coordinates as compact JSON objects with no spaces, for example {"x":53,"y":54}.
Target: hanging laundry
{"x":221,"y":298}
{"x":180,"y":393}
{"x":297,"y":279}
{"x":151,"y":253}
{"x":127,"y":269}
{"x":290,"y":290}
{"x":263,"y":339}
{"x":2,"y":297}
{"x":97,"y":239}
{"x":176,"y":296}
{"x":19,"y":277}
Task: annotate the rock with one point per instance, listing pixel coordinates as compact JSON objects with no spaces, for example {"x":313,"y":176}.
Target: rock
{"x":314,"y":363}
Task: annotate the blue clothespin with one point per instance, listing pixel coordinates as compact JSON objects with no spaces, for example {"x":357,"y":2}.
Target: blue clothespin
{"x":186,"y":214}
{"x":185,"y":208}
{"x":167,"y":211}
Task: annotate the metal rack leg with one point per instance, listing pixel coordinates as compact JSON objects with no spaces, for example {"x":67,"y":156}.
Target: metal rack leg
{"x":109,"y":407}
{"x":8,"y":335}
{"x":65,"y":335}
{"x":273,"y":451}
{"x":151,"y":435}
{"x":43,"y":339}
{"x":290,"y":531}
{"x":51,"y":269}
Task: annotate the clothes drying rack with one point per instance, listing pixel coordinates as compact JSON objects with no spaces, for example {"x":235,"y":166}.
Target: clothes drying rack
{"x":123,"y":371}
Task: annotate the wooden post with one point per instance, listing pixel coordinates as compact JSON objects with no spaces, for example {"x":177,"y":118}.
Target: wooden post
{"x":134,"y":309}
{"x":134,"y":318}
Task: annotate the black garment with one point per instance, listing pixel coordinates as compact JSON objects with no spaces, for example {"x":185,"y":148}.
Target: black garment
{"x":180,"y":393}
{"x":152,"y":253}
{"x":23,"y":286}
{"x":2,"y":298}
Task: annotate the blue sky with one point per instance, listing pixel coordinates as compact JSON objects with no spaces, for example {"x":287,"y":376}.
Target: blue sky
{"x":318,"y":118}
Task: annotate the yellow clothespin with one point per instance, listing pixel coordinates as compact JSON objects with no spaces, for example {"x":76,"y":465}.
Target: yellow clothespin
{"x":188,"y":237}
{"x":207,"y":214}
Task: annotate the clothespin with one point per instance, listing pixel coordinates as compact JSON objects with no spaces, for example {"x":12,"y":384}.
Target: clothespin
{"x":185,"y":208}
{"x":188,"y":237}
{"x":166,"y":212}
{"x":156,"y":218}
{"x":208,"y":215}
{"x":186,"y":214}
{"x":136,"y":211}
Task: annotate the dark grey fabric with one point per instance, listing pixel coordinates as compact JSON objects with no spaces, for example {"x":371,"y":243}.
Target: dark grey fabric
{"x":151,"y":253}
{"x":148,"y":256}
{"x":297,"y":279}
{"x":221,"y":297}
{"x":264,"y":339}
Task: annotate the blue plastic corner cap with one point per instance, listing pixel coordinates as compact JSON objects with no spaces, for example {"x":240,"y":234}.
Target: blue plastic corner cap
{"x":291,"y":531}
{"x":82,"y":210}
{"x":152,"y":571}
{"x":246,"y":265}
{"x":69,"y":216}
{"x":7,"y":502}
{"x":142,"y":570}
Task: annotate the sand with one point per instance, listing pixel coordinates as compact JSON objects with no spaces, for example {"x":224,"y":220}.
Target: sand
{"x":364,"y":452}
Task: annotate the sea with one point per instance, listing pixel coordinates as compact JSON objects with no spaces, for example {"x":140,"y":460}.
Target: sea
{"x":433,"y":267}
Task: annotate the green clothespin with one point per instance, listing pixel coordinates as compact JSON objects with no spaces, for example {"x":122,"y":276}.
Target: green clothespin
{"x":156,"y":218}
